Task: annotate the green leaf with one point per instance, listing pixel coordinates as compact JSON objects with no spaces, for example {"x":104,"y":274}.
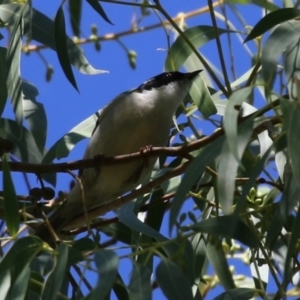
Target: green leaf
{"x":172,"y":281}
{"x":272,"y":19}
{"x":55,"y":279}
{"x":265,"y":4}
{"x":3,"y":79}
{"x":13,"y":61}
{"x":140,"y":283}
{"x":40,"y":28}
{"x":180,"y":50}
{"x":295,"y":235}
{"x":284,"y":36}
{"x":61,"y":46}
{"x":294,"y":142}
{"x":35,"y":285}
{"x":255,"y":172}
{"x":127,"y":216}
{"x":202,"y":98}
{"x":5,"y":284}
{"x":231,"y":121}
{"x":75,"y":7}
{"x":25,"y":148}
{"x":35,"y":115}
{"x":19,"y":289}
{"x":65,"y":144}
{"x":98,"y":8}
{"x":119,"y":232}
{"x":216,"y":256}
{"x":227,"y":226}
{"x":11,"y":204}
{"x":228,"y":165}
{"x":192,"y":174}
{"x":18,"y":257}
{"x":120,"y":289}
{"x":238,"y":293}
{"x":200,"y":258}
{"x":107,"y":263}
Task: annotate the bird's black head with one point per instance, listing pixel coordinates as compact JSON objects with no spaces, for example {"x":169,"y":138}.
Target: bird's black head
{"x":165,"y":79}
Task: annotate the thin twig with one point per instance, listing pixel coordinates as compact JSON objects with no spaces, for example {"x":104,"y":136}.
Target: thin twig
{"x":220,"y":50}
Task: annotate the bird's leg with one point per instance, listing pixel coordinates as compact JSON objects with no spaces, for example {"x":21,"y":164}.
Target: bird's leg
{"x":143,"y":151}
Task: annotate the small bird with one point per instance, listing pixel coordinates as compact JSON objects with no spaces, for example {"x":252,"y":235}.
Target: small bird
{"x":139,"y":118}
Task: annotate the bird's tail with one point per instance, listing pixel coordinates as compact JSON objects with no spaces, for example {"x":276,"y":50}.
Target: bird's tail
{"x":61,"y":217}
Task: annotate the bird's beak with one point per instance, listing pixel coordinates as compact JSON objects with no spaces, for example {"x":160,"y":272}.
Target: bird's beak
{"x":192,"y":75}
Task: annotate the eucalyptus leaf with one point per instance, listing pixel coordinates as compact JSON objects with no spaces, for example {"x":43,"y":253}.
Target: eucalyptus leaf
{"x":13,"y":61}
{"x":98,"y":8}
{"x":40,"y":28}
{"x":55,"y":279}
{"x":19,"y":289}
{"x":227,"y":226}
{"x":272,"y":19}
{"x":294,"y":142}
{"x":61,"y":46}
{"x":280,"y":40}
{"x":35,"y":115}
{"x":237,"y":293}
{"x":65,"y":144}
{"x":19,"y":256}
{"x":11,"y":204}
{"x":192,"y":175}
{"x":140,"y":283}
{"x":75,"y":7}
{"x":25,"y":148}
{"x":3,"y":79}
{"x":172,"y":281}
{"x":107,"y":263}
{"x":216,"y":256}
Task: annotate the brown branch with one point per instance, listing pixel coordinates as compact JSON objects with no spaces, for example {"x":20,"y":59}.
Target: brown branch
{"x":120,"y":159}
{"x":100,"y":160}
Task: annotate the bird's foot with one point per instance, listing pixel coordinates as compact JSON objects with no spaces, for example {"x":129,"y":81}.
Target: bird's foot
{"x":143,"y":151}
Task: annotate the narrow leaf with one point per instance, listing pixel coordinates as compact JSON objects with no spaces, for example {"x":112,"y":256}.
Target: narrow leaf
{"x":13,"y":61}
{"x":61,"y":46}
{"x":55,"y":280}
{"x":227,"y":226}
{"x":40,"y":28}
{"x":294,"y":142}
{"x":140,"y":283}
{"x":75,"y":16}
{"x":180,"y":50}
{"x":19,"y":289}
{"x":283,"y":37}
{"x":232,"y":113}
{"x":11,"y":204}
{"x":98,"y":8}
{"x":35,"y":115}
{"x":216,"y":256}
{"x":19,"y":256}
{"x":172,"y":281}
{"x":238,"y":293}
{"x":193,"y":173}
{"x":3,"y":78}
{"x":272,"y":19}
{"x":107,"y":263}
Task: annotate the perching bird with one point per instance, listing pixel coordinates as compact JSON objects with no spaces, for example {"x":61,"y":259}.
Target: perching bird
{"x":133,"y":120}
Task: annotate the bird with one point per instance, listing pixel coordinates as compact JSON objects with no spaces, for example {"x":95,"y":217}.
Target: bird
{"x":135,"y":119}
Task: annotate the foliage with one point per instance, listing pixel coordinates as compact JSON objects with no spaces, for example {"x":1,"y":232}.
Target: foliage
{"x":231,"y":193}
